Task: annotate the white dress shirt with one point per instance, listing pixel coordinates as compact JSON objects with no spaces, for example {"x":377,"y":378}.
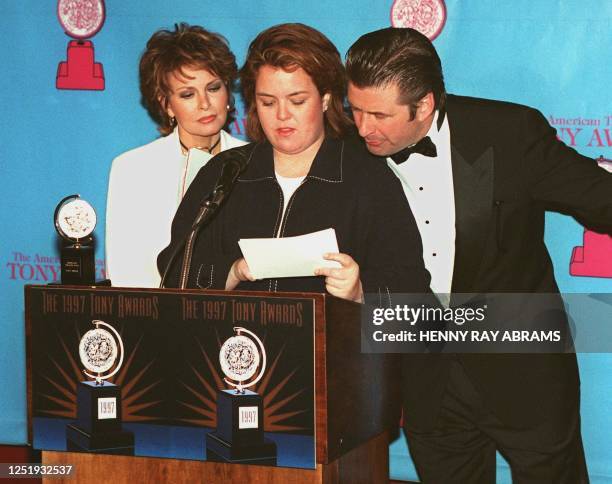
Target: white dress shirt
{"x":428,"y":185}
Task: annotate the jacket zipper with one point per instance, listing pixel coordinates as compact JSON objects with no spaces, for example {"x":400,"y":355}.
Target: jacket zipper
{"x":283,"y":222}
{"x":282,"y":225}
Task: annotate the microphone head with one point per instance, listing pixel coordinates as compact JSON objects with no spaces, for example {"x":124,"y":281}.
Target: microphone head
{"x":232,"y":162}
{"x":239,"y":156}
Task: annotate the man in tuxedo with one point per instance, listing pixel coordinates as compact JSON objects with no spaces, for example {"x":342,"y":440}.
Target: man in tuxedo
{"x":479,"y":175}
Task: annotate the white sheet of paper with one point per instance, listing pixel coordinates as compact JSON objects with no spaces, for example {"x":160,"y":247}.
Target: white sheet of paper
{"x":289,"y":256}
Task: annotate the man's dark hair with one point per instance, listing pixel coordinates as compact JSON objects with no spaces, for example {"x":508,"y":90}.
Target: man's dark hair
{"x":397,"y":55}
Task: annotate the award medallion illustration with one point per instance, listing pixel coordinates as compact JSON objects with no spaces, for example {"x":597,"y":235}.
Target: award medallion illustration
{"x":98,"y":350}
{"x":426,"y":16}
{"x":239,"y":436}
{"x":98,"y":425}
{"x":81,"y":20}
{"x":240,"y":358}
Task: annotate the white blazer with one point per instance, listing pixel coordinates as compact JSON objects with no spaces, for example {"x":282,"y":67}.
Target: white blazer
{"x":145,"y":187}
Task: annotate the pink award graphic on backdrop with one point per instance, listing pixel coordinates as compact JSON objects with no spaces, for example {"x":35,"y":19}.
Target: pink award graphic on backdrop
{"x":594,"y":257}
{"x":426,"y":16}
{"x":81,"y":19}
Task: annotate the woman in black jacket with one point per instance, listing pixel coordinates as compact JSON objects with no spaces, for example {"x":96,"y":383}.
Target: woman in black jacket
{"x":305,"y":173}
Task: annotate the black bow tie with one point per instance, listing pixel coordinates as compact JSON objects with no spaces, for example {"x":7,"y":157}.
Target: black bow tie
{"x":425,"y":147}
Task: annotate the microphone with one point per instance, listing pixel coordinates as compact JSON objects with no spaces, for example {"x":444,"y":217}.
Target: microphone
{"x":233,"y":162}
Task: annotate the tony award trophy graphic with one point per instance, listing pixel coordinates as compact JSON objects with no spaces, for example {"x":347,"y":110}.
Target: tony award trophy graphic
{"x":98,"y":424}
{"x":75,"y":220}
{"x":592,"y":258}
{"x":239,"y":436}
{"x":81,"y":20}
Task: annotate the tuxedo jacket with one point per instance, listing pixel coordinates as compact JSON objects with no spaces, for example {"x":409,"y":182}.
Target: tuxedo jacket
{"x":508,"y":169}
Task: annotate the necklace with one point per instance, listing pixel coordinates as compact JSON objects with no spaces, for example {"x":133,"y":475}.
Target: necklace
{"x":185,"y":150}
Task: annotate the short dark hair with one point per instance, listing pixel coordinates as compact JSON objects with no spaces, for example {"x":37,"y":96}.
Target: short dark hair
{"x":168,"y":52}
{"x":291,"y":46}
{"x":402,"y":56}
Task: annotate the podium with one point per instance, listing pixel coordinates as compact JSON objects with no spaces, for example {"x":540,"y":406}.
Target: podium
{"x":355,"y":396}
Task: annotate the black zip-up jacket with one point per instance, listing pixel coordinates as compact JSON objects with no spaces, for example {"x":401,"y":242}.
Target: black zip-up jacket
{"x":347,"y":189}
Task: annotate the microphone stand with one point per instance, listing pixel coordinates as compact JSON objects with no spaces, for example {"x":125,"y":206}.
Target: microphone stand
{"x":235,"y":162}
{"x":207,"y":210}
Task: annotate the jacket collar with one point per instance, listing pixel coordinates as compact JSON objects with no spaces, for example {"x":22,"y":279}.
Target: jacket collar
{"x":326,"y":166}
{"x":473,"y":165}
{"x":171,"y":146}
{"x":464,"y":128}
{"x":228,"y":141}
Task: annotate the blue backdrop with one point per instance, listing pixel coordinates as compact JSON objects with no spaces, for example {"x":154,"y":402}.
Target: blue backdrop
{"x":551,"y":54}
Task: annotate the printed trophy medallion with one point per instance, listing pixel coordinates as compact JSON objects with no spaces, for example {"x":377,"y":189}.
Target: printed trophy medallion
{"x":239,"y":436}
{"x":75,"y":220}
{"x":98,"y":424}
